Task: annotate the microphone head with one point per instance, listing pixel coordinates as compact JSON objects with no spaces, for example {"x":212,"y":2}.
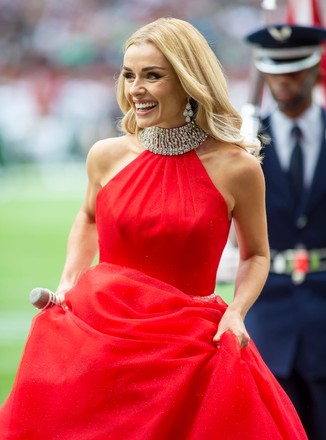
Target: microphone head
{"x":40,"y":297}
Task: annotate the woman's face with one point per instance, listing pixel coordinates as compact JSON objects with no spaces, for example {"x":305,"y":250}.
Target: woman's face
{"x":152,"y":87}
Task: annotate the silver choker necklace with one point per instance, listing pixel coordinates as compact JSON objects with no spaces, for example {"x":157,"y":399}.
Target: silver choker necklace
{"x":172,"y":141}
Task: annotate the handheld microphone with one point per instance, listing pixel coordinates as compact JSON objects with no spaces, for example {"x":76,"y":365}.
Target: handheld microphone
{"x":42,"y":298}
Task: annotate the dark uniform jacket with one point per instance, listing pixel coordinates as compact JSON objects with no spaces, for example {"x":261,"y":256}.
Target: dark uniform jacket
{"x":288,"y":321}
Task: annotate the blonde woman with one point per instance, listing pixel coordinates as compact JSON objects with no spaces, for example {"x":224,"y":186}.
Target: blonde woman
{"x":141,"y":347}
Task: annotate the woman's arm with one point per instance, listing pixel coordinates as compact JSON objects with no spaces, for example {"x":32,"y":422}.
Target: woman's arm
{"x":248,"y":189}
{"x":81,"y":250}
{"x":82,"y":241}
{"x":105,"y":159}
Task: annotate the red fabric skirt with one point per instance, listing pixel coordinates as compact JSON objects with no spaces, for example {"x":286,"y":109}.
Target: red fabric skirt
{"x":133,"y":359}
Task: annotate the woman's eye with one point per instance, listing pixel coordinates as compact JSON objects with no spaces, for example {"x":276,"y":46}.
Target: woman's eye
{"x":150,"y":76}
{"x":128,"y":75}
{"x":153,"y":75}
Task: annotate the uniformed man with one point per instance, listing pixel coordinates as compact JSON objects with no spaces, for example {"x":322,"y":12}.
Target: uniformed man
{"x":288,"y":321}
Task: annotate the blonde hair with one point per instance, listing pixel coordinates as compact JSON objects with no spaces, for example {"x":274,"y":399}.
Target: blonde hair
{"x":200,"y":74}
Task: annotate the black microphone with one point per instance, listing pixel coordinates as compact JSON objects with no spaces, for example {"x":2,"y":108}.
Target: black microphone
{"x":42,"y":298}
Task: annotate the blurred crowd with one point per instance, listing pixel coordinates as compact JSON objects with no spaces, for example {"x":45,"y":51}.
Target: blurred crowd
{"x":59,"y":61}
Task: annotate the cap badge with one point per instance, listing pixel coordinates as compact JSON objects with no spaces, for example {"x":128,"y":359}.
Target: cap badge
{"x":282,"y":34}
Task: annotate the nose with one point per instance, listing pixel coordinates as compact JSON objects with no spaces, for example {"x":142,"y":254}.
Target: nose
{"x":283,"y":76}
{"x":137,"y":88}
{"x":280,"y":80}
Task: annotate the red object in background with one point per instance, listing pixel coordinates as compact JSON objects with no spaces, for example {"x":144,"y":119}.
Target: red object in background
{"x":301,"y":261}
{"x":300,"y":265}
{"x":308,"y":13}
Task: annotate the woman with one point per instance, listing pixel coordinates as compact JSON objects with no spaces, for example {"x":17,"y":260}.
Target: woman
{"x":140,"y":348}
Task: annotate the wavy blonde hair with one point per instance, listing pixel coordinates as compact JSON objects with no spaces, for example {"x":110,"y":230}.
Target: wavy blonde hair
{"x":200,"y":74}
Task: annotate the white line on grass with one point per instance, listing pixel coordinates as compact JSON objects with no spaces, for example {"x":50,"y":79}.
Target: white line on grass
{"x":14,"y":326}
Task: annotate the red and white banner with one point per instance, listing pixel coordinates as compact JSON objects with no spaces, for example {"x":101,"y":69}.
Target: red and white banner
{"x":309,"y":13}
{"x":305,"y":12}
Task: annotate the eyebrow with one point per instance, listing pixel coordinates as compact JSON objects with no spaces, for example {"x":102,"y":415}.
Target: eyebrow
{"x":145,"y":69}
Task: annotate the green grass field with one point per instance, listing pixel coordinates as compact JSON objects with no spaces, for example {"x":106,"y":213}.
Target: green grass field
{"x":37,"y":207}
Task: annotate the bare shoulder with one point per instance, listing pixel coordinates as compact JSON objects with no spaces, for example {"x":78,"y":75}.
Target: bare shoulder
{"x":108,"y":156}
{"x":232,"y":169}
{"x":243,"y":166}
{"x":230,"y":161}
{"x":243,"y":176}
{"x":108,"y":149}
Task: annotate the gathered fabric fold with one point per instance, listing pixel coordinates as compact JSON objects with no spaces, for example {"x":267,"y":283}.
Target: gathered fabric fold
{"x":134,"y":358}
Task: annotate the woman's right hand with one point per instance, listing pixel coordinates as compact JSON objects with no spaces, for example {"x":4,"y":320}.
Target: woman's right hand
{"x":61,"y":294}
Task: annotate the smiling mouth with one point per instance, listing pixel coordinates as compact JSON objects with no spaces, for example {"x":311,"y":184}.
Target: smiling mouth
{"x":145,"y":106}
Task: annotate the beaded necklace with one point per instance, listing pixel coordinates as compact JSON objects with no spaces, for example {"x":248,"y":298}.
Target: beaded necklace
{"x":172,"y":141}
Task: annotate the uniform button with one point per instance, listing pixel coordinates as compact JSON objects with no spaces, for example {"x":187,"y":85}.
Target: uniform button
{"x":279,"y":263}
{"x":302,"y":222}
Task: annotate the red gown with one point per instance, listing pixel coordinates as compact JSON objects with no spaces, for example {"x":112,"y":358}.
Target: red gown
{"x":133,"y":358}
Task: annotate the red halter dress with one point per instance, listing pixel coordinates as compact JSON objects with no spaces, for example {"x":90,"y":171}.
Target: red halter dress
{"x":133,"y":357}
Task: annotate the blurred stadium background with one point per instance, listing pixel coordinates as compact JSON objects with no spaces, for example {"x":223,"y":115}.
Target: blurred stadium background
{"x":58,"y":65}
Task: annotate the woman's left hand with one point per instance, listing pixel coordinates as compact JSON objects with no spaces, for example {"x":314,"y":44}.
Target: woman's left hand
{"x":233,"y":322}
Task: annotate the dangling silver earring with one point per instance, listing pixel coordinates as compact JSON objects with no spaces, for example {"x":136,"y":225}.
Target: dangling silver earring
{"x":188,"y":113}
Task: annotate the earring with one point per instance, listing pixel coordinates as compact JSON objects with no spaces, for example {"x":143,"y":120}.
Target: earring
{"x":188,"y":113}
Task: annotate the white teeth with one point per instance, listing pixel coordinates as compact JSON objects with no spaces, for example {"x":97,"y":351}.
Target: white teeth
{"x":144,"y":105}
